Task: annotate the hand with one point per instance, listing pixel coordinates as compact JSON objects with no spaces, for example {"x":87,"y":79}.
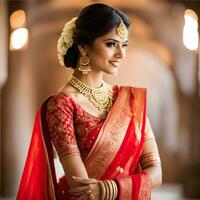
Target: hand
{"x":89,"y":191}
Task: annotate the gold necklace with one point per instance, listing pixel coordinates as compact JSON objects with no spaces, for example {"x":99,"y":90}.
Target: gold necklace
{"x":101,"y":98}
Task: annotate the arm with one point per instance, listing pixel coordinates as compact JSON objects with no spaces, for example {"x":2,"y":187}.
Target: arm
{"x":59,"y":117}
{"x":139,"y":184}
{"x":150,"y":160}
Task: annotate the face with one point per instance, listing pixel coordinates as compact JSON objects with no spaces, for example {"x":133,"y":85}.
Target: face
{"x":107,"y":52}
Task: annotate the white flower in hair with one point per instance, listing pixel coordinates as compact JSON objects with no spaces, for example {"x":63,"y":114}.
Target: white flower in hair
{"x":65,"y":40}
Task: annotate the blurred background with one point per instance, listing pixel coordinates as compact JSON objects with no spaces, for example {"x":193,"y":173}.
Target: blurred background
{"x":163,"y":56}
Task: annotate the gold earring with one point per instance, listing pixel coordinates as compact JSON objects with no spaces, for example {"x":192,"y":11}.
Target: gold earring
{"x":84,"y":66}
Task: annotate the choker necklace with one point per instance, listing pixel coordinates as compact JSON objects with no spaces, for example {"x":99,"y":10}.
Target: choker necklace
{"x":101,"y":98}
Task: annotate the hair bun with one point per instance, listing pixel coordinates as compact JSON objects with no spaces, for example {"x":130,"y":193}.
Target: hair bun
{"x":71,"y":57}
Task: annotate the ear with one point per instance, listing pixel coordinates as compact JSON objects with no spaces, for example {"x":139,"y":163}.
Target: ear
{"x":82,"y":49}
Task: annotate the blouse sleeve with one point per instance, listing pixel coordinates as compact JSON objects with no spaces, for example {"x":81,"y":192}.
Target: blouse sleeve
{"x":59,"y":117}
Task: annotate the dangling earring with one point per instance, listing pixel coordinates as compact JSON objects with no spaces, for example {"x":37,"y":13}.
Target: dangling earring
{"x":84,"y":66}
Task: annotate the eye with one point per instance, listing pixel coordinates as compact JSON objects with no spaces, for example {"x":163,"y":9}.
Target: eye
{"x":110,"y":44}
{"x":125,"y":45}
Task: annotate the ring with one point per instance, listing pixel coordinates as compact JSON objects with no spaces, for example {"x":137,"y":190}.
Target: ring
{"x":89,"y":191}
{"x":91,"y":196}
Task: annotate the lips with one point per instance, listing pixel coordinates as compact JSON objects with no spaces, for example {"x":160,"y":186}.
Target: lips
{"x":114,"y":63}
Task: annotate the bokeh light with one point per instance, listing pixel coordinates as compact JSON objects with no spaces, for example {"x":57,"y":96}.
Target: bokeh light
{"x":18,"y":38}
{"x":190,"y":30}
{"x":17,"y":19}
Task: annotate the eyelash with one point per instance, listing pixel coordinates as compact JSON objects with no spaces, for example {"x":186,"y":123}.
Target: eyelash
{"x":113,"y":44}
{"x":110,"y":44}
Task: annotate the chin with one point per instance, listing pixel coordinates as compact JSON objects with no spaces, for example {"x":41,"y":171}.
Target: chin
{"x":113,"y":72}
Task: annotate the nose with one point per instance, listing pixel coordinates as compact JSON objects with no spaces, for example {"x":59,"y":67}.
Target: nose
{"x":120,"y":52}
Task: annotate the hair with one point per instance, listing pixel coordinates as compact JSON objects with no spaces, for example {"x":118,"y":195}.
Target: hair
{"x":93,"y":22}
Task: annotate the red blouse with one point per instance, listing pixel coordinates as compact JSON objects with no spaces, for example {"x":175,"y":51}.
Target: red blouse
{"x":72,"y":129}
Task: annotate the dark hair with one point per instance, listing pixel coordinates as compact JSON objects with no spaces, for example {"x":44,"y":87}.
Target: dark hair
{"x":93,"y":22}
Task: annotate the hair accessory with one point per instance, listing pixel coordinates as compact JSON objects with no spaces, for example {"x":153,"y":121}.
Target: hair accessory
{"x":122,"y":31}
{"x":84,"y":66}
{"x":65,"y":40}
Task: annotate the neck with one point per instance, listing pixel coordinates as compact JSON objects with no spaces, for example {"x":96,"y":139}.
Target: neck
{"x":93,"y":79}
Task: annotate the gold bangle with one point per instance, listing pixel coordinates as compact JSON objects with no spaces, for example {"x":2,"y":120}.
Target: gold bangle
{"x":110,"y":190}
{"x":149,"y":157}
{"x":107,"y":190}
{"x":114,"y":189}
{"x":151,"y":163}
{"x":103,"y":190}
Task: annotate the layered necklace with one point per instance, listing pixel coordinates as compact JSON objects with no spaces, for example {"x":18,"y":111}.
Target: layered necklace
{"x":101,"y":98}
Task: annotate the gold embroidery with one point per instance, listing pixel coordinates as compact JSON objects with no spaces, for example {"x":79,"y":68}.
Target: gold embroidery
{"x":112,"y":141}
{"x":60,"y":124}
{"x":126,"y":188}
{"x":145,"y":188}
{"x":107,"y":145}
{"x":138,"y":105}
{"x":68,"y":152}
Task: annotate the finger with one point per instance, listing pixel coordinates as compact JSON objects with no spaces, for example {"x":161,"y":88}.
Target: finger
{"x":82,"y":197}
{"x":85,"y":181}
{"x":79,"y":189}
{"x":77,"y":193}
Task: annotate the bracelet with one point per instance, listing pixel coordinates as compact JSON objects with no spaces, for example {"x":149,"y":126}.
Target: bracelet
{"x":115,"y":189}
{"x":109,"y":190}
{"x":149,"y":159}
{"x":103,"y":190}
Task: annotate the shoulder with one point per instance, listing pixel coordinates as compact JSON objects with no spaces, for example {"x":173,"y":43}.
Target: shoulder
{"x":134,"y":89}
{"x":62,"y":96}
{"x":59,"y":101}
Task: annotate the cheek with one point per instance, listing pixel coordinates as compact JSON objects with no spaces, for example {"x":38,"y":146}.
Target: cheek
{"x":107,"y":54}
{"x":101,"y":55}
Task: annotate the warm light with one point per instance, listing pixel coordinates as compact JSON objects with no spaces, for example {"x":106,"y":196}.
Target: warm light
{"x":18,"y":38}
{"x":17,"y":19}
{"x":190,"y":30}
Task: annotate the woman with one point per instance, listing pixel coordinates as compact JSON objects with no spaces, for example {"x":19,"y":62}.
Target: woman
{"x":101,"y":133}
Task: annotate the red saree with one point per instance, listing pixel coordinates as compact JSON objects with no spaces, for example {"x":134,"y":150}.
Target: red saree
{"x":115,"y":154}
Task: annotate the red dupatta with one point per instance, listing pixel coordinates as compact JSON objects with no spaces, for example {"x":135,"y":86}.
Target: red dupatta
{"x":119,"y":144}
{"x":38,"y":180}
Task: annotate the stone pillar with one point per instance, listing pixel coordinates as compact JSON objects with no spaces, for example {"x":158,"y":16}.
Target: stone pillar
{"x":3,"y":66}
{"x":192,"y":170}
{"x":33,"y":74}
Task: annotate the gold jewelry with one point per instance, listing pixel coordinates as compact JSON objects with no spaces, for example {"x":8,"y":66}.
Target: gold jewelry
{"x":149,"y":159}
{"x":107,"y":190}
{"x":91,"y":195}
{"x":101,"y":98}
{"x":122,"y":31}
{"x":84,"y":66}
{"x":110,"y":189}
{"x":115,"y":189}
{"x":103,"y":190}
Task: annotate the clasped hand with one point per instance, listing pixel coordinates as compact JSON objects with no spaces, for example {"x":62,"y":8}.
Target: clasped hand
{"x":89,"y":191}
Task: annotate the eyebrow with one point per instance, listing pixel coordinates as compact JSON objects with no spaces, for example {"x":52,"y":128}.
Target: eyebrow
{"x":115,"y":40}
